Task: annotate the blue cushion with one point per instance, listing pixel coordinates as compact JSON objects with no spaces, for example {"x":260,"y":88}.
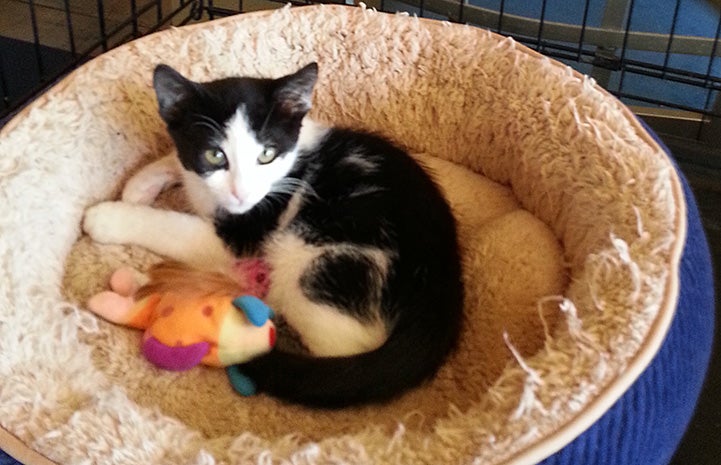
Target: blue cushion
{"x":647,"y":423}
{"x":5,"y":459}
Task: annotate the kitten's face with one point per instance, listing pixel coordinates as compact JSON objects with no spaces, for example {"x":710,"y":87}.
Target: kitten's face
{"x":236,"y":138}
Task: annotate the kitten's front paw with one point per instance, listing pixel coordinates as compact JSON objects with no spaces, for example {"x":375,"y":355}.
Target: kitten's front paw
{"x":106,"y":222}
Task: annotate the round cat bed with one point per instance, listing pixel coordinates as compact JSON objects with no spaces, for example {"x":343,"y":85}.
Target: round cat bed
{"x":588,"y":307}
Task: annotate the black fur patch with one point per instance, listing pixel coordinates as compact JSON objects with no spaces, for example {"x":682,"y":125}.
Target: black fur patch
{"x":348,"y":281}
{"x":245,"y":234}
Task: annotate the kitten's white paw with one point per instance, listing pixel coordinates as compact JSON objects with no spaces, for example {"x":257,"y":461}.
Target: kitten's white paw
{"x":107,"y":222}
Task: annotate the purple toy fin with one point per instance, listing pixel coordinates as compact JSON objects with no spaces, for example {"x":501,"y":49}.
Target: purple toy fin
{"x":174,"y":358}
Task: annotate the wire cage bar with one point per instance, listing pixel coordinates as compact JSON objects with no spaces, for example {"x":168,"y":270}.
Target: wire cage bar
{"x":662,"y":57}
{"x":41,"y":40}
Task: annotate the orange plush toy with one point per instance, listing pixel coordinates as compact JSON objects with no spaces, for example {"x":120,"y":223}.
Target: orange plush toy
{"x":190,"y":316}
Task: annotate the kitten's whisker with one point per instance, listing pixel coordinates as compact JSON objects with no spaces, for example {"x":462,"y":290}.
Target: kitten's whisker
{"x":207,"y":126}
{"x":267,"y":118}
{"x":282,"y":187}
{"x":209,"y":123}
{"x":294,"y":184}
{"x":209,"y":120}
{"x":266,"y":202}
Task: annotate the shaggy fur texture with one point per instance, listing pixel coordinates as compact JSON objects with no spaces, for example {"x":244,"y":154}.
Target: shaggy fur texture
{"x":552,"y":335}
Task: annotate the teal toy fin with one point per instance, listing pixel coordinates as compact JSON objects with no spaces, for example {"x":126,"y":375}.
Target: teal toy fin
{"x":255,"y":309}
{"x":242,"y":384}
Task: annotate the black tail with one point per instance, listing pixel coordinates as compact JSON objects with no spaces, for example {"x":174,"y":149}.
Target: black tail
{"x":409,"y":357}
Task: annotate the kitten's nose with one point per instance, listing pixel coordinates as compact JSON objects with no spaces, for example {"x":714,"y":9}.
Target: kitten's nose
{"x":238,"y":193}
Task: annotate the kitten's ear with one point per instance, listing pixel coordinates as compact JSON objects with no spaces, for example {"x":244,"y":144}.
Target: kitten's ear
{"x":172,"y":89}
{"x":294,"y":92}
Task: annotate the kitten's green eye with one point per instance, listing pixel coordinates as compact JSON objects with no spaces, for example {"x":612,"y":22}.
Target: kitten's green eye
{"x":215,"y":157}
{"x":267,"y":155}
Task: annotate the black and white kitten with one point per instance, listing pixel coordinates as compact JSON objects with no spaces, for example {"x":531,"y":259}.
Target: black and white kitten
{"x":360,"y":241}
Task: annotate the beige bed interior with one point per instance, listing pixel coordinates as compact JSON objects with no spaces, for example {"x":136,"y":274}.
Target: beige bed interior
{"x":570,"y":220}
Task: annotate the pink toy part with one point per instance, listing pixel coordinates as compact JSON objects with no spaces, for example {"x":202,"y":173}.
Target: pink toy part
{"x":112,"y":306}
{"x":253,"y":274}
{"x":124,"y":281}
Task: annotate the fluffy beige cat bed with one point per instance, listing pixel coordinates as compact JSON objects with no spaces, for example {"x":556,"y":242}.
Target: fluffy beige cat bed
{"x":571,"y":224}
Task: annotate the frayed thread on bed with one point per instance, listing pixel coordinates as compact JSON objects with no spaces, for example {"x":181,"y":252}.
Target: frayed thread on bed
{"x":529,"y":400}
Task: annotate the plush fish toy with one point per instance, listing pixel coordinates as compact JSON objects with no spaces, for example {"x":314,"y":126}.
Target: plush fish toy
{"x":192,"y":317}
